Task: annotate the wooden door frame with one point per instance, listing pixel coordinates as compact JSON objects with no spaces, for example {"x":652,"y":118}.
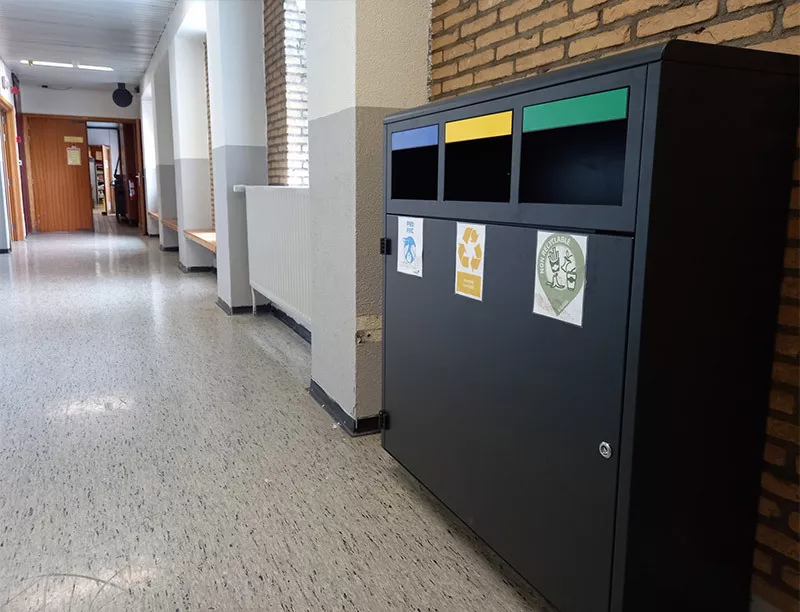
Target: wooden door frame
{"x":137,"y":122}
{"x":12,"y":157}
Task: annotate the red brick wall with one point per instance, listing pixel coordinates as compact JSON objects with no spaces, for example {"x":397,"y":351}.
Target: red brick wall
{"x":480,"y":43}
{"x":210,"y":146}
{"x":287,"y":102}
{"x":776,"y":575}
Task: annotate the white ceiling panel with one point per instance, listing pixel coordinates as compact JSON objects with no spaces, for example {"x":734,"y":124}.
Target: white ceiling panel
{"x":121,"y":34}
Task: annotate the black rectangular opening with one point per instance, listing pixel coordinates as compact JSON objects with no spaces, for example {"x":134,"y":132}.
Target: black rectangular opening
{"x":579,"y":164}
{"x":478,"y":170}
{"x":415,"y":173}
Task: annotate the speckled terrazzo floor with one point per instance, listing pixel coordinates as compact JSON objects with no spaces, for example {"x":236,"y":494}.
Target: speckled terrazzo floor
{"x":156,"y":454}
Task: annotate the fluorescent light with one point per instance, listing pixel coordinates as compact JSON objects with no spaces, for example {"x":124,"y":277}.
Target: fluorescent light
{"x":53,"y":64}
{"x":49,"y":64}
{"x":102,"y":68}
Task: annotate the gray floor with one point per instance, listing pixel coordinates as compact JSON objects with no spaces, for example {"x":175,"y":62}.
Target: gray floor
{"x":156,"y":454}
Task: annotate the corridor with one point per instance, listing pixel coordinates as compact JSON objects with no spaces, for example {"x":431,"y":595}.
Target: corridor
{"x":156,"y":454}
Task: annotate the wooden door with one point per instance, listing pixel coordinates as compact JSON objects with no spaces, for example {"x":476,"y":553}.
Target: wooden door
{"x":60,"y":178}
{"x":140,"y":186}
{"x":130,"y":171}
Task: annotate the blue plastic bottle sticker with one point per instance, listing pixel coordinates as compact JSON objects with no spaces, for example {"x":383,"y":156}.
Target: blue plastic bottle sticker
{"x":409,"y":245}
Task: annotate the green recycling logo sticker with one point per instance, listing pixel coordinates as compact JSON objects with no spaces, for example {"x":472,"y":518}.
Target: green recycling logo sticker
{"x":560,"y":276}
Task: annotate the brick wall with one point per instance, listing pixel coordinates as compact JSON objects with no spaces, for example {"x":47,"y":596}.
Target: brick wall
{"x":480,"y":43}
{"x":776,"y":575}
{"x":210,"y":147}
{"x":287,"y":101}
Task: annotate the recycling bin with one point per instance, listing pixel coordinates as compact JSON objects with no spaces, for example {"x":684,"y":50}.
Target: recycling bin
{"x":581,"y":289}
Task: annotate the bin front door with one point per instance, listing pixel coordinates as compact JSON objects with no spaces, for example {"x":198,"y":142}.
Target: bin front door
{"x":512,"y":418}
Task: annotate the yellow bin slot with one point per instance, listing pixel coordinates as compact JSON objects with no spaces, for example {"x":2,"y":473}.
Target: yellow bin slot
{"x":486,"y":126}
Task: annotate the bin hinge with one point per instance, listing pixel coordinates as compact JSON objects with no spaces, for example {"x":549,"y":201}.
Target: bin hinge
{"x":383,"y":420}
{"x":386,"y":246}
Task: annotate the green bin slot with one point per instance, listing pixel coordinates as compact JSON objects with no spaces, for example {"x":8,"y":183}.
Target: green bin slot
{"x":592,"y":108}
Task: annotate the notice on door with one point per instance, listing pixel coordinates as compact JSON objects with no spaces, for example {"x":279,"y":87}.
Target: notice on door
{"x":73,"y":156}
{"x":470,"y":255}
{"x":560,"y":282}
{"x":409,"y":245}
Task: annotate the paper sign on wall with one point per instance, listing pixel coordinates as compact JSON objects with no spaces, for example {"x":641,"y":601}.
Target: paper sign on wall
{"x":560,"y":283}
{"x":470,"y":255}
{"x":73,"y":156}
{"x":409,"y":245}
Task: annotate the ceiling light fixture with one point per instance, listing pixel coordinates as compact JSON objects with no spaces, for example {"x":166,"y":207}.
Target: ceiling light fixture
{"x":101,"y":68}
{"x":49,"y":64}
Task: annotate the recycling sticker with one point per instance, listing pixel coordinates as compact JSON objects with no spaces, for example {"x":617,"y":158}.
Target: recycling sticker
{"x":470,"y":256}
{"x":560,"y":280}
{"x":409,"y":242}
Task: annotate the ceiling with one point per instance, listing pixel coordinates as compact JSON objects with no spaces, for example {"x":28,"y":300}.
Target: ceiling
{"x":121,"y":34}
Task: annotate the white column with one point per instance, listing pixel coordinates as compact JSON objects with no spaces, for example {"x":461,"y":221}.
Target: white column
{"x":238,"y":133}
{"x":366,"y":59}
{"x":149,"y":159}
{"x":190,"y":146}
{"x":165,"y":159}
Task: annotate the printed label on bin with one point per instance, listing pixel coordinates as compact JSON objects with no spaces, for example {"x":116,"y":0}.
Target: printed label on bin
{"x":409,"y":245}
{"x":470,"y":255}
{"x":560,"y":280}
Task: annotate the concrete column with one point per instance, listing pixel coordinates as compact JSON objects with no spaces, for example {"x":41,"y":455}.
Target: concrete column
{"x":149,"y":159}
{"x":238,"y":133}
{"x":366,"y":59}
{"x":165,"y":159}
{"x":190,"y":145}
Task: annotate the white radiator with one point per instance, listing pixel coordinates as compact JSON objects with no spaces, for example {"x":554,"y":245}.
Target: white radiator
{"x":279,"y":248}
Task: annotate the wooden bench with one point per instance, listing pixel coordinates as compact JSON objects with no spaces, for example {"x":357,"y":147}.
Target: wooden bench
{"x":170,"y":223}
{"x":205,"y":238}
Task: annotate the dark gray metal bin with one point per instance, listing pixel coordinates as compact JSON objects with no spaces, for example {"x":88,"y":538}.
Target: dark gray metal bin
{"x":503,"y":413}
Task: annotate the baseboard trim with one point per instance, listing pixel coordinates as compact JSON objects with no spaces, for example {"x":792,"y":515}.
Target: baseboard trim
{"x":168,"y":249}
{"x":153,"y":235}
{"x":233,"y":310}
{"x":298,"y":328}
{"x":353,"y":427}
{"x":192,"y":269}
{"x":4,"y":251}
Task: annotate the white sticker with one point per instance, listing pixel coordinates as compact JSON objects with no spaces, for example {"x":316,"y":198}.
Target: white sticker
{"x":409,"y":245}
{"x":560,"y":282}
{"x":470,"y":254}
{"x":73,"y":156}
